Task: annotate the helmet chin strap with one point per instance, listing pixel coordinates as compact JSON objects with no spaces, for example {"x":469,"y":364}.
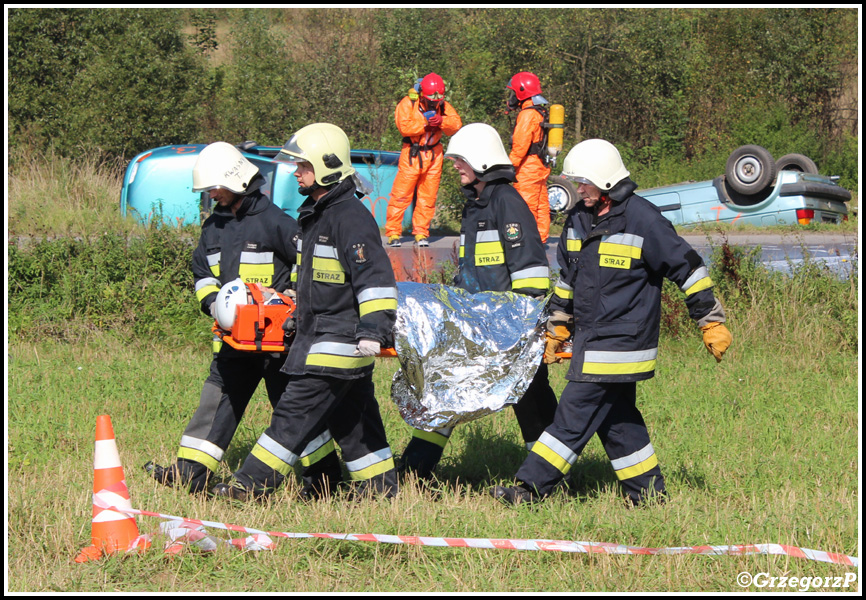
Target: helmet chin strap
{"x":236,"y":203}
{"x":306,"y":190}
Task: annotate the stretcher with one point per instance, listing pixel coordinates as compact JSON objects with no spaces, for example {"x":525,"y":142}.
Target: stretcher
{"x":258,"y":326}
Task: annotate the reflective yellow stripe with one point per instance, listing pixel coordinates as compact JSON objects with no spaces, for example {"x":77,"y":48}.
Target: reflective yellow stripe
{"x":489,"y":253}
{"x":431,"y":436}
{"x":213,"y":263}
{"x":327,"y":264}
{"x":614,"y":262}
{"x":318,"y":454}
{"x":619,"y":250}
{"x":638,"y":469}
{"x":375,"y":305}
{"x":565,"y":294}
{"x":328,"y":270}
{"x":256,"y":273}
{"x":702,"y":284}
{"x":198,"y":456}
{"x":372,"y":470}
{"x":203,"y":293}
{"x":488,"y":248}
{"x":272,"y":461}
{"x":339,"y":362}
{"x":618,"y":368}
{"x":573,"y":245}
{"x":539,"y":283}
{"x":552,"y":457}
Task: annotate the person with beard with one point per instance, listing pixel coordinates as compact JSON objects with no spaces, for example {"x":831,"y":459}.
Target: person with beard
{"x":346,"y":309}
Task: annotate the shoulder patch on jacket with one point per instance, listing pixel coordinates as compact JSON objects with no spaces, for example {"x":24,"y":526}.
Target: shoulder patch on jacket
{"x":359,"y":253}
{"x":513,"y":232}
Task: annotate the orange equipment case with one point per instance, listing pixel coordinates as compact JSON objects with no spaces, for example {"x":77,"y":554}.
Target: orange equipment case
{"x":258,"y":327}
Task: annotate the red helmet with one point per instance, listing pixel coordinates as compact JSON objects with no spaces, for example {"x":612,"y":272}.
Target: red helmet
{"x":432,"y":87}
{"x":524,"y":85}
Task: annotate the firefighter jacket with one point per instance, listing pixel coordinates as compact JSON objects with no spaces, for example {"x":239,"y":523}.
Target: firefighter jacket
{"x":527,"y":145}
{"x":500,"y":249}
{"x":256,"y":245}
{"x":611,"y":281}
{"x":346,"y":289}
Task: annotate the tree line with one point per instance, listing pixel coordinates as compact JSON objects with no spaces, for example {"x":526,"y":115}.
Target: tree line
{"x":667,"y":86}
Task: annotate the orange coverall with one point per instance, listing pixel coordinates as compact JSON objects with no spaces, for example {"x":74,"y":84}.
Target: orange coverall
{"x":530,"y":170}
{"x":422,"y":171}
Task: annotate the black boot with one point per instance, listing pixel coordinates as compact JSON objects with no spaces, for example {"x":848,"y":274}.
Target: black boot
{"x":234,"y":490}
{"x":185,"y":473}
{"x":514,"y":495}
{"x":321,"y":479}
{"x":420,"y":457}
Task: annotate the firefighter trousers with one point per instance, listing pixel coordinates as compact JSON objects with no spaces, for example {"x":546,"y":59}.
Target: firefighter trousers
{"x":534,"y":412}
{"x":608,"y":409}
{"x":417,"y":178}
{"x":534,"y":192}
{"x":224,"y":398}
{"x":309,"y":405}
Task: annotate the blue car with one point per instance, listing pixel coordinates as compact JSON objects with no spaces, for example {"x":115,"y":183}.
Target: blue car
{"x":158,"y":183}
{"x":755,"y":189}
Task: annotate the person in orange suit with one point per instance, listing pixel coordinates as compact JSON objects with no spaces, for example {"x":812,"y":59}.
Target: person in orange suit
{"x":422,"y":117}
{"x":529,"y":146}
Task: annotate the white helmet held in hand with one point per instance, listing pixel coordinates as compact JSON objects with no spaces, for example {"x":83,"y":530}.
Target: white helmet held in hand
{"x":221,"y":165}
{"x":481,"y":147}
{"x":596,"y":162}
{"x":230,"y":296}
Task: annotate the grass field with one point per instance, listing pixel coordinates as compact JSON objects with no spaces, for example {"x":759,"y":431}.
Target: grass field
{"x":761,"y":448}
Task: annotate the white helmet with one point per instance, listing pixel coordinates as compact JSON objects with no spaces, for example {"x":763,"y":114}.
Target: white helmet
{"x":231,"y":295}
{"x":221,"y":165}
{"x":480,"y":146}
{"x":326,"y":147}
{"x":596,"y":162}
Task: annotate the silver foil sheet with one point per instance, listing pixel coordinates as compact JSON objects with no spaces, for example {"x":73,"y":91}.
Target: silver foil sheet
{"x":463,"y":356}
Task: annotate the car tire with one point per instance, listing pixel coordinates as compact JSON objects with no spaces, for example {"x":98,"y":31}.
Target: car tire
{"x":797,"y":162}
{"x":561,"y":194}
{"x":750,"y":169}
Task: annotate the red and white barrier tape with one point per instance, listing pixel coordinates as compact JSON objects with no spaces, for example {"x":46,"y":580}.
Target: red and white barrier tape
{"x":182,"y":530}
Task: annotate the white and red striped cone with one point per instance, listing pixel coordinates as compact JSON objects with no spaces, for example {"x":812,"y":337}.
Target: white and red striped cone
{"x":111,"y":531}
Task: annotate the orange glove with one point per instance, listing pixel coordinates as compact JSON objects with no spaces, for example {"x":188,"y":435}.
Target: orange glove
{"x":717,"y":339}
{"x":553,"y":343}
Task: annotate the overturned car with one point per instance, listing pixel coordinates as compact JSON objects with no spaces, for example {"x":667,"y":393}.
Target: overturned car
{"x":755,"y":189}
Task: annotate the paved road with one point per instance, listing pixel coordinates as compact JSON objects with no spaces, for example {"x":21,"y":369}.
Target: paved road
{"x":777,"y":250}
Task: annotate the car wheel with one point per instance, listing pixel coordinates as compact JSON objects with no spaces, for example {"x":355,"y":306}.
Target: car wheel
{"x":796,"y":162}
{"x":561,"y":194}
{"x":750,"y":169}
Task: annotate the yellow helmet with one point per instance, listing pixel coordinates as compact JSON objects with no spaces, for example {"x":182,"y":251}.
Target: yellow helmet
{"x":326,"y":147}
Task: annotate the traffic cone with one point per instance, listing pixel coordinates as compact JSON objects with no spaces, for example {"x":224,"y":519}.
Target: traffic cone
{"x":111,"y":531}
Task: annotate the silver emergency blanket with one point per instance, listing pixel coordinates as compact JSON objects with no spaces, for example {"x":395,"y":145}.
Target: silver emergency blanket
{"x":463,"y":356}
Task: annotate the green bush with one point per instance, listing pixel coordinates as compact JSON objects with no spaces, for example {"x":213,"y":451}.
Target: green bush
{"x":137,"y":286}
{"x":111,"y":81}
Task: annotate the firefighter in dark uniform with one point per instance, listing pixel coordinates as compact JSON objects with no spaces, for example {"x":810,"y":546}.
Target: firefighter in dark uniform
{"x":346,"y":310}
{"x":614,"y":253}
{"x":246,"y":237}
{"x":500,"y":250}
